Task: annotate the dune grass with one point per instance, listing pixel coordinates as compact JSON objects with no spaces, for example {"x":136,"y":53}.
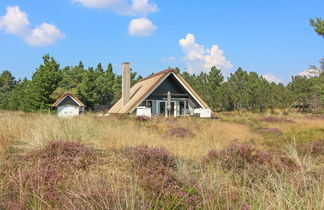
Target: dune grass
{"x":238,"y":161}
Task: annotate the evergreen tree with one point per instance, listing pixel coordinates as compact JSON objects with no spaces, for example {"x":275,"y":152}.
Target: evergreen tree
{"x":87,"y":88}
{"x":7,"y":84}
{"x":44,"y":82}
{"x":215,"y":79}
{"x":318,"y":25}
{"x":237,"y":83}
{"x":105,"y":86}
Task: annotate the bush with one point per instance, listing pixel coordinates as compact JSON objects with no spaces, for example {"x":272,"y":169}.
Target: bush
{"x":276,"y":120}
{"x":41,"y":173}
{"x":273,"y":131}
{"x":315,"y":148}
{"x":239,"y":156}
{"x":242,"y":156}
{"x":157,"y":169}
{"x":179,"y":132}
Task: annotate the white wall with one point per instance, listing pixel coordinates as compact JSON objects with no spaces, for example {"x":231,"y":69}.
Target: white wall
{"x":143,"y":111}
{"x":68,"y":110}
{"x":203,"y":113}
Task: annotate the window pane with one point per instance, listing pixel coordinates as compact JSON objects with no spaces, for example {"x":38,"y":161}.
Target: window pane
{"x":162,"y":108}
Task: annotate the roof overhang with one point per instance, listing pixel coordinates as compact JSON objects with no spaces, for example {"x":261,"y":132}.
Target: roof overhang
{"x":57,"y":103}
{"x":180,"y":81}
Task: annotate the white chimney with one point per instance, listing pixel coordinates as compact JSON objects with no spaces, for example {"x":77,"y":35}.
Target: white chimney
{"x":125,"y":83}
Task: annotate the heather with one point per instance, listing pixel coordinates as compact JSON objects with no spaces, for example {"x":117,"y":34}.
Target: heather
{"x":238,"y":161}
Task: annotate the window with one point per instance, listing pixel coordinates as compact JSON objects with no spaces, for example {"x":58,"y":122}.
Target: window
{"x":148,"y":103}
{"x":162,"y":107}
{"x":183,"y":107}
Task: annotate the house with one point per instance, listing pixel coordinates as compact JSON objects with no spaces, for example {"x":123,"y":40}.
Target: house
{"x":164,"y":93}
{"x":68,"y":105}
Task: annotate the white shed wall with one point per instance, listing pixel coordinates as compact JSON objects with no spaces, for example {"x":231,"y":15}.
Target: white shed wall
{"x":68,"y":110}
{"x":143,"y":111}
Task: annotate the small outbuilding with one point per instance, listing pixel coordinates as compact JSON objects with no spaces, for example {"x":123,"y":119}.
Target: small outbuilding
{"x":68,"y":105}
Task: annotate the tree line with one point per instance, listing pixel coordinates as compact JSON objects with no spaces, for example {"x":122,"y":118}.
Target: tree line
{"x":242,"y":90}
{"x":249,"y":91}
{"x":93,"y":86}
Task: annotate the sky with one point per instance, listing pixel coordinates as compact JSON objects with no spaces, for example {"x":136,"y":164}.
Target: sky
{"x":270,"y":37}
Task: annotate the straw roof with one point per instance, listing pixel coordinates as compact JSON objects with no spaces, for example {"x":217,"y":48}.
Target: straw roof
{"x":59,"y":100}
{"x":144,"y":87}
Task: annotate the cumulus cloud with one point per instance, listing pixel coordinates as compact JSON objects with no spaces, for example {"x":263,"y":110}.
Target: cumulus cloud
{"x":200,"y":59}
{"x":272,"y":78}
{"x":16,"y":22}
{"x":310,"y":73}
{"x":141,"y":27}
{"x":122,"y":7}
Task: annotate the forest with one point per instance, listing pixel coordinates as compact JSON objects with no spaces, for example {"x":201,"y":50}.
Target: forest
{"x":101,"y":87}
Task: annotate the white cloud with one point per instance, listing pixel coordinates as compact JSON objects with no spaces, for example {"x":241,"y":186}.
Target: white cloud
{"x":272,"y":78}
{"x":122,"y":7}
{"x":200,"y":59}
{"x":45,"y":34}
{"x":310,"y":73}
{"x":141,"y":27}
{"x":16,"y":22}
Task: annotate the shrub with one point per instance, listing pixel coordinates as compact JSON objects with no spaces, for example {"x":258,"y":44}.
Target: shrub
{"x":242,"y":156}
{"x":239,"y":156}
{"x":314,"y":148}
{"x":273,"y":131}
{"x":64,"y":154}
{"x":179,"y":132}
{"x":42,"y":172}
{"x":157,"y":168}
{"x":142,"y":118}
{"x":276,"y":120}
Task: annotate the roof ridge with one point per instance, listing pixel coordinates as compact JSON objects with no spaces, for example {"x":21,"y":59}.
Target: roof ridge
{"x":67,"y":94}
{"x":165,"y":71}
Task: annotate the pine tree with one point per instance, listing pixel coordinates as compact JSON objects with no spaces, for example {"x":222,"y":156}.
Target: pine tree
{"x":87,"y":88}
{"x":7,"y":84}
{"x":215,"y":79}
{"x":318,"y":25}
{"x":44,"y":82}
{"x":105,"y":86}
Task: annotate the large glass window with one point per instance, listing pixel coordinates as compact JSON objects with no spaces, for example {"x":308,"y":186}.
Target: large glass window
{"x":162,"y":107}
{"x":183,"y":107}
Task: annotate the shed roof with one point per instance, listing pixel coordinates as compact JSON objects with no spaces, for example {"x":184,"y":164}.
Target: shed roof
{"x":59,"y":100}
{"x":144,"y":87}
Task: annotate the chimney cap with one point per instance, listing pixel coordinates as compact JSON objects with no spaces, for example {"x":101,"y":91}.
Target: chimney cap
{"x":125,"y":63}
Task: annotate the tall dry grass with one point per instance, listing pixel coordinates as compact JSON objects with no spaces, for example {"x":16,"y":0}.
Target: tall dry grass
{"x":270,"y":170}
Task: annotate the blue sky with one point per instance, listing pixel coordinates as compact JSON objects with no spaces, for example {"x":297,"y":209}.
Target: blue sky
{"x":272,"y":38}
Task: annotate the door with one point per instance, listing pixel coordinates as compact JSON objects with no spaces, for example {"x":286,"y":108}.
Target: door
{"x":173,"y":109}
{"x":162,"y":108}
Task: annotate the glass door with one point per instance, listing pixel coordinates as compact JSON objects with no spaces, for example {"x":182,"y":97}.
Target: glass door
{"x":162,"y":108}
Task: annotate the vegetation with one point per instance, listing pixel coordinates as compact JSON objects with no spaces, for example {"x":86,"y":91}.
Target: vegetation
{"x":92,"y":162}
{"x":249,"y":91}
{"x":94,"y":86}
{"x":97,"y":86}
{"x":318,"y":25}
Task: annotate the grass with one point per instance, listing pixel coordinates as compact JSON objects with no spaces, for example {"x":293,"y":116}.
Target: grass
{"x":255,"y":161}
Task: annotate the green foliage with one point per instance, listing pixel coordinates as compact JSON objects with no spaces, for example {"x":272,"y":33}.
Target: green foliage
{"x":44,"y":82}
{"x":94,"y":87}
{"x":98,"y":86}
{"x":318,"y":25}
{"x":7,"y":83}
{"x":249,"y":91}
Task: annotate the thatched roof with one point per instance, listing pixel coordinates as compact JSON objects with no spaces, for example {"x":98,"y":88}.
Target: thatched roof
{"x":59,"y":100}
{"x":147,"y":85}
